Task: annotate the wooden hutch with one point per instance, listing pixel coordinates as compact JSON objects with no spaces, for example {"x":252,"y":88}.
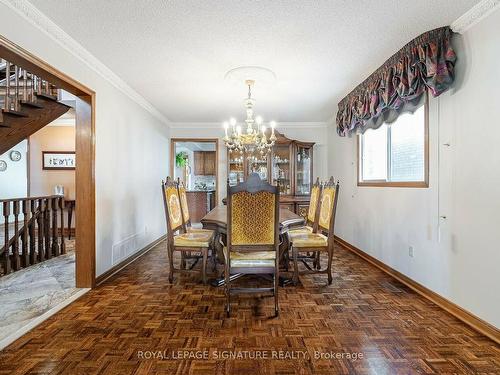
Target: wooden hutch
{"x":290,"y":163}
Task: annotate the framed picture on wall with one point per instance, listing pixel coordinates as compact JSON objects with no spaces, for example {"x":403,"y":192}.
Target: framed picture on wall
{"x":58,"y":160}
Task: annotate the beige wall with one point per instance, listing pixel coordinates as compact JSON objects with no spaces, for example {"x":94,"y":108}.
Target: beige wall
{"x":51,"y":138}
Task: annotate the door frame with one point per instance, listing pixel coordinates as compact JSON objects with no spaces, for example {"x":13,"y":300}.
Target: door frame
{"x":200,"y":140}
{"x":85,"y":154}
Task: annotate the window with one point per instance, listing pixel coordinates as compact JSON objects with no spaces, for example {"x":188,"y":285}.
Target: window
{"x":396,"y":154}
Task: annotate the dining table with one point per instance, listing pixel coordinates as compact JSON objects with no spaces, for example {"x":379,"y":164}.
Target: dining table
{"x":216,"y":220}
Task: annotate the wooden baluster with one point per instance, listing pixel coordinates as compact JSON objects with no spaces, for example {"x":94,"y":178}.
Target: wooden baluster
{"x":41,"y":230}
{"x":38,"y":85}
{"x":15,"y":245}
{"x":16,"y":88}
{"x":7,"y":86}
{"x":46,"y":224}
{"x":33,"y":258}
{"x":55,"y":237}
{"x":6,"y":251}
{"x":25,"y":261}
{"x":32,"y":87}
{"x":25,"y":85}
{"x":63,"y":242}
{"x":70,"y":217}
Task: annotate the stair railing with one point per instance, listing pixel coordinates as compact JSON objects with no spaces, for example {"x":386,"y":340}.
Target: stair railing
{"x":21,"y":87}
{"x":33,"y":231}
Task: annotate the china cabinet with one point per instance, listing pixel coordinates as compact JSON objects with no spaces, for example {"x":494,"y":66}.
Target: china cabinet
{"x":290,"y":164}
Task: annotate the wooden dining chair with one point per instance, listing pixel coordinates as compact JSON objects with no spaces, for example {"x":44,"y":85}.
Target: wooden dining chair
{"x":320,"y":241}
{"x":252,"y":235}
{"x":187,"y":227}
{"x":178,"y":239}
{"x":311,"y":224}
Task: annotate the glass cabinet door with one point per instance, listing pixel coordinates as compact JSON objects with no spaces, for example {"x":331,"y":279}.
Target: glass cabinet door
{"x":258,"y":164}
{"x":236,"y":173}
{"x":303,"y":170}
{"x":281,"y":170}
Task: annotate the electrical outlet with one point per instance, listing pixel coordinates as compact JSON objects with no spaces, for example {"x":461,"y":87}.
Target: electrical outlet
{"x":410,"y":251}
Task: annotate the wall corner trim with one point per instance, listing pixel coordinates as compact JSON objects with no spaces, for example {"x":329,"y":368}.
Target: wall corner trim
{"x":38,"y":19}
{"x":458,"y":312}
{"x":474,"y":15}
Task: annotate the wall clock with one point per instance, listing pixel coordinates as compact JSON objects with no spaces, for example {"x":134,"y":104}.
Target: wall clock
{"x":3,"y":165}
{"x":15,"y":155}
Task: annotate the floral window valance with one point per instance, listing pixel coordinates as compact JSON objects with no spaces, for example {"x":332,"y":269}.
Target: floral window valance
{"x":399,"y":85}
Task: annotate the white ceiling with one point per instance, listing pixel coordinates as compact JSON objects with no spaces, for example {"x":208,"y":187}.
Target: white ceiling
{"x":175,"y":53}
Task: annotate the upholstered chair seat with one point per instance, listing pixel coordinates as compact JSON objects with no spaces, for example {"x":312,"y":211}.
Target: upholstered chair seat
{"x":300,"y":230}
{"x":308,"y":239}
{"x":244,"y":259}
{"x":194,"y":239}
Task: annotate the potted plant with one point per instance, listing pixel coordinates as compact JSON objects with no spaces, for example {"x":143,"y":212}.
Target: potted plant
{"x":181,"y":159}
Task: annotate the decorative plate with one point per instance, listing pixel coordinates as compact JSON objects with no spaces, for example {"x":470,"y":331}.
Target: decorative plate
{"x":3,"y":165}
{"x":15,"y":155}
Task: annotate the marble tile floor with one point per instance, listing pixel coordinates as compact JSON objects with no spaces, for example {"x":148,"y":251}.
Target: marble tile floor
{"x":27,"y":294}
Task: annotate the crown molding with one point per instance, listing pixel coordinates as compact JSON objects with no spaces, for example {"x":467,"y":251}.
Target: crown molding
{"x":474,"y":15}
{"x":38,"y":19}
{"x":218,"y":125}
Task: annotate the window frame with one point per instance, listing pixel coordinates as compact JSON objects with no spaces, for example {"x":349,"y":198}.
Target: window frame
{"x":404,"y":184}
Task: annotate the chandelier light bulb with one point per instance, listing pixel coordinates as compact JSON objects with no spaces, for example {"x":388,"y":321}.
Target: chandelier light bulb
{"x":258,"y":120}
{"x":273,"y":124}
{"x":238,"y":129}
{"x":232,"y":121}
{"x":263,"y":129}
{"x":226,"y":125}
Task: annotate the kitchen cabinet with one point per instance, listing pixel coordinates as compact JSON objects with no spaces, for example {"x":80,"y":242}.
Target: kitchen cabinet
{"x":205,"y":163}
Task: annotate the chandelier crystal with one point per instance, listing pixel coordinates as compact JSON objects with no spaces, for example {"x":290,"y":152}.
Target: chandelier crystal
{"x":254,"y":139}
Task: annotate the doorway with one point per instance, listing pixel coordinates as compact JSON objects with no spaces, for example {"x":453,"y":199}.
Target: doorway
{"x":195,"y":162}
{"x":84,"y":151}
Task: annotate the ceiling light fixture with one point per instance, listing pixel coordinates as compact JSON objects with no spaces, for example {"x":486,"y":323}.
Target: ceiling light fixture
{"x":253,"y":139}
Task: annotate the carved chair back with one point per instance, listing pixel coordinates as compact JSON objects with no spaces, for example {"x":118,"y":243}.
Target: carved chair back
{"x":328,"y":208}
{"x":253,"y":215}
{"x":173,"y":210}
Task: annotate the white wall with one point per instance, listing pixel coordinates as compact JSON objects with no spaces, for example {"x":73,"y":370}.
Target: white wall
{"x":457,"y":257}
{"x":309,"y":132}
{"x":14,"y":180}
{"x":131,"y":148}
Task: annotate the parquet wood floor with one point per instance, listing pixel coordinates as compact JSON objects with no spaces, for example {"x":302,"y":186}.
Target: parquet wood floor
{"x":364,"y":310}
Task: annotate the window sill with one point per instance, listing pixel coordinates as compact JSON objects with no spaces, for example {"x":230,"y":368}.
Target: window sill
{"x":416,"y":184}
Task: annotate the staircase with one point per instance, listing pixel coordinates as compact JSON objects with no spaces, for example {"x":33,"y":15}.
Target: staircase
{"x":32,"y":227}
{"x":27,"y":104}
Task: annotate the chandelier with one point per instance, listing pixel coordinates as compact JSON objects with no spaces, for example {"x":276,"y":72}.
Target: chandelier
{"x":254,"y":139}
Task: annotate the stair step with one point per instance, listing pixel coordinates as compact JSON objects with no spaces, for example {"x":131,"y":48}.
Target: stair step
{"x":14,"y":113}
{"x":47,"y":96}
{"x":31,"y":104}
